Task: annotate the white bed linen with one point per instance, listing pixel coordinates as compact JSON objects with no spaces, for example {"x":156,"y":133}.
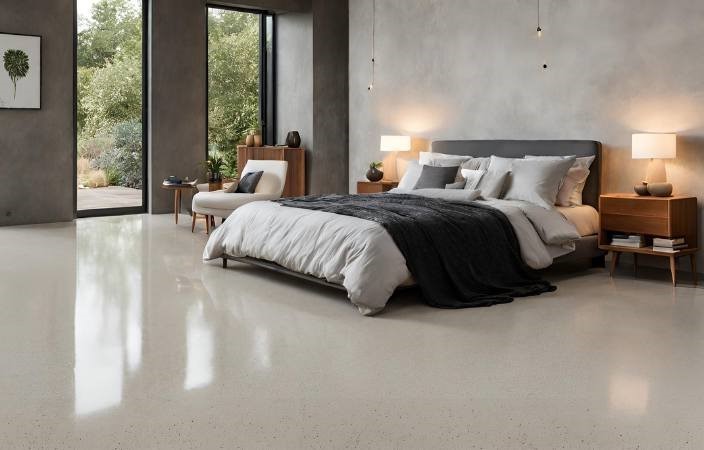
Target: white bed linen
{"x":584,"y":217}
{"x":360,"y":254}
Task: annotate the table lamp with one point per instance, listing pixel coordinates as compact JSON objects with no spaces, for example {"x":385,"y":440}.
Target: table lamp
{"x":392,"y":145}
{"x":655,"y":147}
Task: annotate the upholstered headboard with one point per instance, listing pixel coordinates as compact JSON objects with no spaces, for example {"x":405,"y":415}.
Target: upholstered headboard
{"x":518,"y":149}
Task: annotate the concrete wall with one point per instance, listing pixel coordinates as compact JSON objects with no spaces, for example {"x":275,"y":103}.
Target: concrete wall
{"x":294,"y":80}
{"x":330,"y":158}
{"x":177,"y":84}
{"x":465,"y":69}
{"x":36,"y":157}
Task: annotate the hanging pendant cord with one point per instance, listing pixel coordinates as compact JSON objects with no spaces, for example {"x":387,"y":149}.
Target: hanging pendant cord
{"x":371,"y":86}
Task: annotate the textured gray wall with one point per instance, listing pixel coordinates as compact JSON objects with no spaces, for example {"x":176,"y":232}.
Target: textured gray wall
{"x":294,"y":78}
{"x":36,"y":156}
{"x":330,"y":156}
{"x":465,"y":69}
{"x":178,"y":96}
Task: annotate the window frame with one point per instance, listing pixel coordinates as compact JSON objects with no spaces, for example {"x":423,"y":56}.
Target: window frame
{"x":146,"y":36}
{"x":267,"y":72}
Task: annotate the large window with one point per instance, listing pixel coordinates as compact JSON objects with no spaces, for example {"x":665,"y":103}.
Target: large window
{"x":240,"y":81}
{"x":110,"y":106}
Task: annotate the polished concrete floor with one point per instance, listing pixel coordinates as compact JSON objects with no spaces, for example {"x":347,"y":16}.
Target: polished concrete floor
{"x":114,"y":334}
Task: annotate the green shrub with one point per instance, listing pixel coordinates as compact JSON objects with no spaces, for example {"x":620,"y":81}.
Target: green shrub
{"x":123,"y":162}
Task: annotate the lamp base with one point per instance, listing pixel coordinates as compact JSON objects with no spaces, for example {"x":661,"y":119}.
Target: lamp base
{"x":660,"y":189}
{"x":656,"y":171}
{"x":642,"y":189}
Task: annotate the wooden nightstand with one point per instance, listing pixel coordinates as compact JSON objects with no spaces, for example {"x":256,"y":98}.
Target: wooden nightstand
{"x":665,"y":217}
{"x":375,"y":187}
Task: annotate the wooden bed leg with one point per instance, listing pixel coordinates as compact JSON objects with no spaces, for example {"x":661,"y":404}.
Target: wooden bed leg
{"x":599,"y":262}
{"x":614,"y":261}
{"x":224,"y":263}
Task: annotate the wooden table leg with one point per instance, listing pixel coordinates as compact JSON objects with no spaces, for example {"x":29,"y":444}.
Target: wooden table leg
{"x":193,"y":224}
{"x":693,"y":261}
{"x":614,"y":261}
{"x":176,"y":205}
{"x":673,"y":270}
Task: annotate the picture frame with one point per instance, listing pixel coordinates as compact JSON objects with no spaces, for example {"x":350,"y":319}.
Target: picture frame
{"x":20,"y":71}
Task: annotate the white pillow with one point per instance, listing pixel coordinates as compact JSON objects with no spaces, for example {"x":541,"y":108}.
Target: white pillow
{"x":472,"y":178}
{"x":476,"y":164}
{"x":492,"y":184}
{"x":537,"y":180}
{"x":441,"y":159}
{"x":411,"y":177}
{"x":499,"y":164}
{"x":570,"y":193}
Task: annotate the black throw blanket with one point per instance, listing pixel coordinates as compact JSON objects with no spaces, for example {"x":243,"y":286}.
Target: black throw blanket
{"x":461,"y":254}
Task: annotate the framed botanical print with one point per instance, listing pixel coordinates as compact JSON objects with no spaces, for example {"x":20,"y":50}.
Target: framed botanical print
{"x":20,"y":71}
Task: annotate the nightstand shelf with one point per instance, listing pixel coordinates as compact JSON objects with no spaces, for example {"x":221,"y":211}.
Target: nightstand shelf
{"x":663,"y":217}
{"x":375,"y":187}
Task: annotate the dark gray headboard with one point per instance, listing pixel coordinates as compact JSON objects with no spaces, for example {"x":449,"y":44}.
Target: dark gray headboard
{"x":518,"y":149}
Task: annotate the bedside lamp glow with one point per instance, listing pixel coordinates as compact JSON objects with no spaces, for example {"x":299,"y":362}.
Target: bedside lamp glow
{"x":393,"y":144}
{"x":655,"y":147}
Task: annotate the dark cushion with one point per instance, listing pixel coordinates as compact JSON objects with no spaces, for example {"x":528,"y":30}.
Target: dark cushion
{"x":249,"y":182}
{"x":436,"y":177}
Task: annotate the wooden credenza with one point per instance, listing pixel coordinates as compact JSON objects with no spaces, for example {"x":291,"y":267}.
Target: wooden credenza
{"x":296,"y":158}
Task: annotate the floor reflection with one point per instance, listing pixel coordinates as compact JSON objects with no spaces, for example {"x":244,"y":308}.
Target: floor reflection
{"x":629,"y":394}
{"x":199,"y":347}
{"x":108,"y":311}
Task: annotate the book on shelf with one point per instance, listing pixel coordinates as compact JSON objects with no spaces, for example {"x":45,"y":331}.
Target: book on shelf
{"x":627,"y":237}
{"x":632,"y":244}
{"x":671,"y":243}
{"x":670,"y":249}
{"x":626,"y":240}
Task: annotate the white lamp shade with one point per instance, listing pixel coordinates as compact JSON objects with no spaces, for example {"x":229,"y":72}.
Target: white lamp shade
{"x":655,"y":146}
{"x":395,"y":143}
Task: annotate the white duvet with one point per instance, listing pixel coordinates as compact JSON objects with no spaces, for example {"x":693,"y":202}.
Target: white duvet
{"x":359,"y":254}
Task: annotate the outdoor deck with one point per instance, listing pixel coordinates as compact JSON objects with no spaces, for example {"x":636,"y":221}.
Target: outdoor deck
{"x":109,"y":197}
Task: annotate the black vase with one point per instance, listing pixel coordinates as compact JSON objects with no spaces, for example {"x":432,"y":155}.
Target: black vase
{"x":293,"y":139}
{"x":374,"y":174}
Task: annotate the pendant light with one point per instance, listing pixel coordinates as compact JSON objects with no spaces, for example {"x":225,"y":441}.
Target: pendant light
{"x":370,"y":88}
{"x":539,"y":31}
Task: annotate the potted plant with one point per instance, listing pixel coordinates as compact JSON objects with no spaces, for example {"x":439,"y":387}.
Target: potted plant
{"x":214,"y":165}
{"x":374,"y":174}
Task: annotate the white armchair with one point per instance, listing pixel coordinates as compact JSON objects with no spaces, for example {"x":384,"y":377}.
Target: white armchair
{"x":222,"y":204}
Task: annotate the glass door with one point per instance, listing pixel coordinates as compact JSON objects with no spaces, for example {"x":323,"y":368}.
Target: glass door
{"x":110,"y":107}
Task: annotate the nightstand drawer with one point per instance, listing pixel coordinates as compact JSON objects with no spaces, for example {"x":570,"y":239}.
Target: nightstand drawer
{"x":640,"y":208}
{"x":657,"y":226}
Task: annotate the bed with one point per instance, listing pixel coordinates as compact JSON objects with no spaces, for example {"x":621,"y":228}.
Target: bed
{"x":324,"y":242}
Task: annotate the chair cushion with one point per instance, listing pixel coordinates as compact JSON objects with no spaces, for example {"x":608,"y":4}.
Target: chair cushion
{"x":248,"y":183}
{"x":222,"y":200}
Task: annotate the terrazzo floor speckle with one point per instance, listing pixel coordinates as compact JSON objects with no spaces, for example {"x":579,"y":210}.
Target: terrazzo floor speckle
{"x":114,"y":334}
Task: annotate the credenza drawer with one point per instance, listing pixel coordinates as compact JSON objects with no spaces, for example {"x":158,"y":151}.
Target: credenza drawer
{"x":641,"y":208}
{"x":657,"y":226}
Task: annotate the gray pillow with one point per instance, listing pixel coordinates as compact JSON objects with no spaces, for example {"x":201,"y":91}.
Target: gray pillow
{"x":436,"y":177}
{"x":248,"y":183}
{"x":537,"y":180}
{"x":492,"y":184}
